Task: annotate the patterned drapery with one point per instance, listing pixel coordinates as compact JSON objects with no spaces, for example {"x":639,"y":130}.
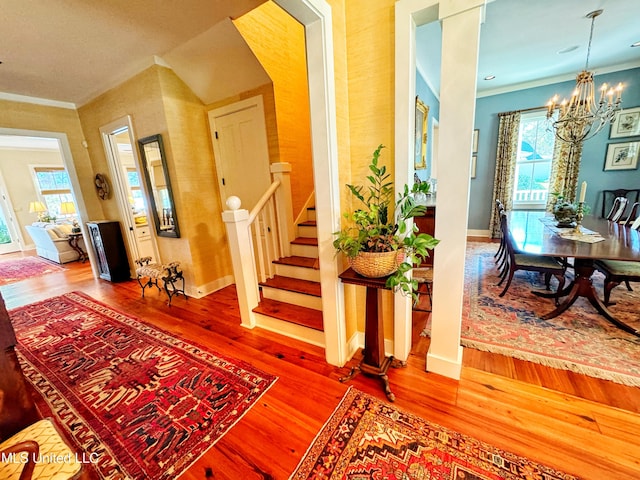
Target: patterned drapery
{"x":565,"y":167}
{"x":506,"y":157}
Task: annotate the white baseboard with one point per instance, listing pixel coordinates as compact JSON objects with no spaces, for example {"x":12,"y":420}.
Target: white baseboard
{"x":357,"y":341}
{"x":445,"y":366}
{"x":479,"y":233}
{"x":204,"y":290}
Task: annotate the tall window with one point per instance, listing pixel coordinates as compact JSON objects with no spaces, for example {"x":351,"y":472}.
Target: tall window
{"x":54,"y":186}
{"x":533,"y":167}
{"x":137,"y":198}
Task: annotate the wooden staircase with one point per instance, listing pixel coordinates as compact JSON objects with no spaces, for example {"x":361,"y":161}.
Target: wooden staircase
{"x":293,"y":295}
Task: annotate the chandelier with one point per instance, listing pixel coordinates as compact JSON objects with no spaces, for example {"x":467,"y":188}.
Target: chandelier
{"x":581,"y":117}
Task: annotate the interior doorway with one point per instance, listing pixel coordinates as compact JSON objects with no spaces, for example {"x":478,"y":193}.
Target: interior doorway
{"x":22,"y":154}
{"x":9,"y":238}
{"x":122,"y":157}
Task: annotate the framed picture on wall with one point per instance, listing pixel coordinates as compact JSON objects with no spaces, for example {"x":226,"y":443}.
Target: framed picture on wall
{"x":420,"y":138}
{"x":626,"y":124}
{"x":622,"y":156}
{"x":476,"y":134}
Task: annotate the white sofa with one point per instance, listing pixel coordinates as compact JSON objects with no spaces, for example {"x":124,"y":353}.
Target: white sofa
{"x":52,"y":241}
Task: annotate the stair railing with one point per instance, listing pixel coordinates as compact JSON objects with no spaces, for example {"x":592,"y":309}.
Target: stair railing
{"x":259,"y":237}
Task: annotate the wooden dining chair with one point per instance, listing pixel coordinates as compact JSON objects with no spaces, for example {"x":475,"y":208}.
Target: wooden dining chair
{"x":618,"y":208}
{"x":548,"y":266}
{"x":633,"y":215}
{"x":618,"y":271}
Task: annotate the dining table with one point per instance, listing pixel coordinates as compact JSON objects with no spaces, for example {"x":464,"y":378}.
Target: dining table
{"x":594,"y":239}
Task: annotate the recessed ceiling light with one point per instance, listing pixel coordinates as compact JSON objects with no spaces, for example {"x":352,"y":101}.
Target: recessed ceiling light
{"x":636,"y":44}
{"x":489,"y":77}
{"x":568,"y":49}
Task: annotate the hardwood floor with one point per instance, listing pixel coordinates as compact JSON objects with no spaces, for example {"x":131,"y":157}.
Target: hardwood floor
{"x":584,"y":426}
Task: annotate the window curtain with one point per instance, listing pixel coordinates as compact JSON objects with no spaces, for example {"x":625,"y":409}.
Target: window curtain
{"x":565,"y":167}
{"x":506,"y":157}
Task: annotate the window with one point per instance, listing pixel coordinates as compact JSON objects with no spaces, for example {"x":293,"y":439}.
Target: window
{"x":137,"y":198}
{"x":54,"y":187}
{"x":533,"y":168}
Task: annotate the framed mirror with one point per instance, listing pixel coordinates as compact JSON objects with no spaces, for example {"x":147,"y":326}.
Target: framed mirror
{"x":154,"y":164}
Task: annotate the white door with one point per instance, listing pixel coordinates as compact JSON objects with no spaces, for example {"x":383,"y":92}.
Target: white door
{"x":239,"y":136}
{"x":8,"y":237}
{"x":127,"y":181}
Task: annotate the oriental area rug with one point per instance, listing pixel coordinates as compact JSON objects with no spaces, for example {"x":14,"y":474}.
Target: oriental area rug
{"x":366,"y":438}
{"x":139,"y":402}
{"x":12,"y":271}
{"x":579,"y":339}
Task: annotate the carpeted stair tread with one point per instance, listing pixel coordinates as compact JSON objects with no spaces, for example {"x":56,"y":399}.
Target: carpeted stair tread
{"x":296,"y":261}
{"x":305,"y":241}
{"x":307,"y":317}
{"x":293,"y":285}
{"x":308,"y":223}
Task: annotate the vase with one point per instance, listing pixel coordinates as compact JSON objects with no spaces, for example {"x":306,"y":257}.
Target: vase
{"x":377,"y":264}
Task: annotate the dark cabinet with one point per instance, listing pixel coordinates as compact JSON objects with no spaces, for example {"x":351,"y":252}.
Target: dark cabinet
{"x":106,"y":237}
{"x":427,"y":224}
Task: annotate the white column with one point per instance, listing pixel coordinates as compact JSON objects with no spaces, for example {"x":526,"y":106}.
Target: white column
{"x":282,"y":171}
{"x":243,"y":260}
{"x":461,"y":21}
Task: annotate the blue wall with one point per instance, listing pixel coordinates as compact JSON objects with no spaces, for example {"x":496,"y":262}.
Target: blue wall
{"x":593,"y":154}
{"x":428,"y":98}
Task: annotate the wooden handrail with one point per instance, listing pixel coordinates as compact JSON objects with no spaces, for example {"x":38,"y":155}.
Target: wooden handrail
{"x":263,"y":200}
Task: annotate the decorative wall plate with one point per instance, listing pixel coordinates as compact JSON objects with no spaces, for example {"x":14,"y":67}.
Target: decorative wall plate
{"x":102,"y":186}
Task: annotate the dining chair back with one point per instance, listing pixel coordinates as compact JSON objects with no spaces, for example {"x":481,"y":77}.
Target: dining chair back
{"x":633,"y":215}
{"x":618,"y":208}
{"x":518,"y":260}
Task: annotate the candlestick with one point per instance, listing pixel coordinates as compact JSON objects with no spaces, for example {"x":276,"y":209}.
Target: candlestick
{"x":583,"y":192}
{"x":579,"y":216}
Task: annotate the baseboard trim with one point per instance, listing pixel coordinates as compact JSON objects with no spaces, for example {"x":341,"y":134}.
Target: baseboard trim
{"x":204,"y":290}
{"x":445,"y":366}
{"x":479,"y":233}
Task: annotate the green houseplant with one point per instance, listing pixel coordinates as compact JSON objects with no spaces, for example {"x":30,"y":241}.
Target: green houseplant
{"x":379,"y":229}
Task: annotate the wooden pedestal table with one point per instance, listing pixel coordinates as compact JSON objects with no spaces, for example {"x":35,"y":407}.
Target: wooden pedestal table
{"x":73,"y":243}
{"x":374,"y":362}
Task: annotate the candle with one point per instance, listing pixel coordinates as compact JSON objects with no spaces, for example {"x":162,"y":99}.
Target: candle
{"x":583,"y":192}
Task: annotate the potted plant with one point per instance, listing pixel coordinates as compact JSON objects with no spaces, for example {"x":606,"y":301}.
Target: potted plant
{"x":378,"y":242}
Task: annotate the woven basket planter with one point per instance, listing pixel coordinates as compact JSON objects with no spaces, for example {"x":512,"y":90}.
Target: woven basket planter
{"x":377,"y":264}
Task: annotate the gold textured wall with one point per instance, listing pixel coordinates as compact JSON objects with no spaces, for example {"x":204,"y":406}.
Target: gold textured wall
{"x":159,"y":102}
{"x":278,"y":42}
{"x":28,"y":116}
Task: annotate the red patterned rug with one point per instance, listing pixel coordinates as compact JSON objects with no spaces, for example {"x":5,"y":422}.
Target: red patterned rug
{"x":140,"y":402}
{"x":366,"y":438}
{"x":580,"y":339}
{"x":12,"y":271}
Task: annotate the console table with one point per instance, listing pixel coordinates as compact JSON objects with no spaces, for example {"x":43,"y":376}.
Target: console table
{"x":73,"y":242}
{"x":374,"y":362}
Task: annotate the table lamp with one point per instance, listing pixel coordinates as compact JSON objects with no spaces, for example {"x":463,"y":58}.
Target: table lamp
{"x":68,"y":208}
{"x":39,"y":208}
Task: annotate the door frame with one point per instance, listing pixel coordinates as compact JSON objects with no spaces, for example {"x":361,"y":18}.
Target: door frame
{"x":7,"y":208}
{"x":67,"y":161}
{"x":119,"y":189}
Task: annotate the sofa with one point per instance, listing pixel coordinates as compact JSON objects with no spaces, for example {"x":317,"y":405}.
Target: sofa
{"x":52,"y":241}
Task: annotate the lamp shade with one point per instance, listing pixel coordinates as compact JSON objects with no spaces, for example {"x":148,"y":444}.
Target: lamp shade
{"x":37,"y":207}
{"x":67,"y":208}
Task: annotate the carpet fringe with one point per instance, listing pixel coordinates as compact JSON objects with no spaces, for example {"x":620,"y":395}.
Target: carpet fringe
{"x":554,"y":363}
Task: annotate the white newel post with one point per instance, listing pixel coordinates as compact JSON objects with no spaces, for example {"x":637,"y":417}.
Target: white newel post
{"x":244,"y":268}
{"x":282,"y":172}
